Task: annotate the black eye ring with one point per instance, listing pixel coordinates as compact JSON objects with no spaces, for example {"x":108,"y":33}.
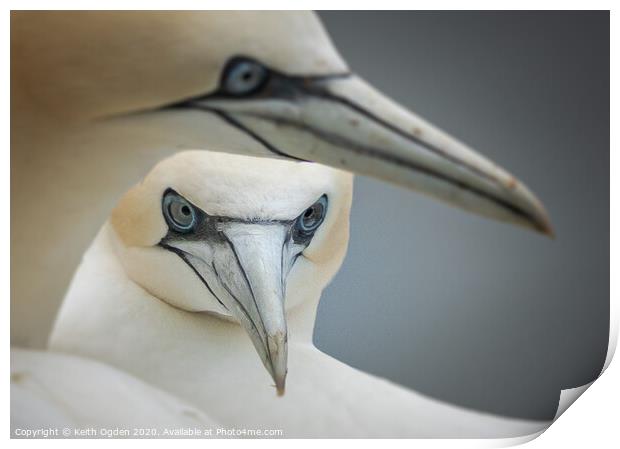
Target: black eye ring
{"x":243,"y":76}
{"x":179,"y":213}
{"x":310,"y":220}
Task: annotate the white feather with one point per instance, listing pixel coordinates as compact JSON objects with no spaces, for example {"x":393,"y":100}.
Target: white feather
{"x":64,"y":391}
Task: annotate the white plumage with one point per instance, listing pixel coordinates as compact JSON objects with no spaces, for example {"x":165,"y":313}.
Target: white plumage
{"x":208,"y":361}
{"x":54,"y":390}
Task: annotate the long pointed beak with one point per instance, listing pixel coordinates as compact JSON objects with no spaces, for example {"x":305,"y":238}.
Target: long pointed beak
{"x":344,"y":122}
{"x":249,"y":267}
{"x":401,"y":147}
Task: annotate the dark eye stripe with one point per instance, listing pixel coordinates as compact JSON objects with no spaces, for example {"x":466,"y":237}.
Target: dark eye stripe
{"x":190,"y":223}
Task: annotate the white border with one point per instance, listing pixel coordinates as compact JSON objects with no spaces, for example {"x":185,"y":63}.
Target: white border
{"x":592,"y":422}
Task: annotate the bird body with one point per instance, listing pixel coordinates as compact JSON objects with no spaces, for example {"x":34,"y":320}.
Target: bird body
{"x":62,"y":391}
{"x":151,"y":326}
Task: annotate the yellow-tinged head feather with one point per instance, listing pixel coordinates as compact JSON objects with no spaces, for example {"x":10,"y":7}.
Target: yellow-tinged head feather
{"x":239,"y":187}
{"x":103,"y":63}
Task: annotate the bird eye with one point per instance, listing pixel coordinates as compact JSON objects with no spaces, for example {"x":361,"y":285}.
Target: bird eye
{"x":243,"y":77}
{"x":179,"y":213}
{"x":311,"y":219}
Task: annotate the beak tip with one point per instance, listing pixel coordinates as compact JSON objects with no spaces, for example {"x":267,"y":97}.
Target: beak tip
{"x":549,"y":232}
{"x":280,"y":386}
{"x":544,"y":225}
{"x":539,"y":217}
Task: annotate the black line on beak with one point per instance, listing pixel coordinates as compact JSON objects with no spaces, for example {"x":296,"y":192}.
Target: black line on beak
{"x":241,"y":306}
{"x":183,"y":256}
{"x":327,"y":95}
{"x":282,"y":284}
{"x":231,"y":121}
{"x":247,"y":281}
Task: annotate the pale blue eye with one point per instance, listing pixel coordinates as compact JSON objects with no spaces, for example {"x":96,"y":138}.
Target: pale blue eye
{"x":311,"y":219}
{"x":179,"y":213}
{"x":243,"y":77}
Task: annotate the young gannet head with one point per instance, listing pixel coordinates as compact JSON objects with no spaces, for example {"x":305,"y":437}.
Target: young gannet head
{"x":232,"y":235}
{"x":261,"y":83}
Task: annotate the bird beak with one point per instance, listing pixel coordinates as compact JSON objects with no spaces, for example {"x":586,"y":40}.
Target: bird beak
{"x":343,"y":122}
{"x":246,"y":268}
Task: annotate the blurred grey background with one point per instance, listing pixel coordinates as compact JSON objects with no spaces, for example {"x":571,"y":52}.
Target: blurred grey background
{"x":457,"y":307}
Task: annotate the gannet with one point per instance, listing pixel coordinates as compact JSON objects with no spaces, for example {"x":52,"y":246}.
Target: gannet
{"x":212,"y":248}
{"x":99,"y":97}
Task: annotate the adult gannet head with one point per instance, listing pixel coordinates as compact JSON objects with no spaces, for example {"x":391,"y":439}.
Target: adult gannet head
{"x":261,"y":83}
{"x":231,"y":235}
